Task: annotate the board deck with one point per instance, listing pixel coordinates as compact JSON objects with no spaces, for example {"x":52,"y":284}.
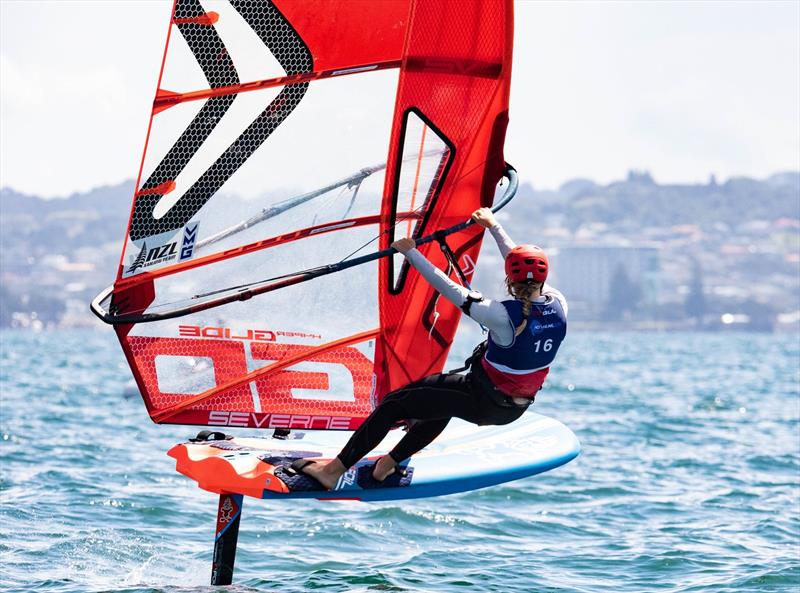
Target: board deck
{"x":464,"y":457}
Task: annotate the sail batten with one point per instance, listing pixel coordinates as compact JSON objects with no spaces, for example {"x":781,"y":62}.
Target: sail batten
{"x":166,"y":99}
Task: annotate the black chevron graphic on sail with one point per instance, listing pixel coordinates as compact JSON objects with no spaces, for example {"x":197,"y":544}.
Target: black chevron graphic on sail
{"x":294,"y":56}
{"x":219,"y":70}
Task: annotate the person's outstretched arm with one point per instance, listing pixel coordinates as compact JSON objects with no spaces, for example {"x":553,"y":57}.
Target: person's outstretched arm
{"x":487,"y":312}
{"x":485,"y":218}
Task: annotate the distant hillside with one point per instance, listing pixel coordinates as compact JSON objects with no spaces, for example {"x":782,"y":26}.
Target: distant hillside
{"x":62,"y":225}
{"x":56,"y":254}
{"x":101,"y":215}
{"x":38,"y":227}
{"x":641,"y":201}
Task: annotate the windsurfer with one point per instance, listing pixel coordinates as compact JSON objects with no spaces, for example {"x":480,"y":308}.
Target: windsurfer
{"x":506,"y":371}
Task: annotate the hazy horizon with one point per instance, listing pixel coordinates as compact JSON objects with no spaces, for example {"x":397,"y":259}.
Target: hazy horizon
{"x":523,"y":181}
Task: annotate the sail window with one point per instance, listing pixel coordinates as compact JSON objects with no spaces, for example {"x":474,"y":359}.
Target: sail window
{"x":422,"y":167}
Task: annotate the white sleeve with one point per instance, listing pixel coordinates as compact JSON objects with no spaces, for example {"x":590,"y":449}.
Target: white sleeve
{"x":555,"y":293}
{"x":493,"y":315}
{"x":504,"y":242}
{"x":487,"y":312}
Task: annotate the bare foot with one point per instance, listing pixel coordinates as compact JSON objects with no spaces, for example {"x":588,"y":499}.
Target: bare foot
{"x":327,"y":474}
{"x":384,"y":468}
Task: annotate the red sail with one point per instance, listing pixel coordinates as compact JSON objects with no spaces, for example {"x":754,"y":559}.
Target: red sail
{"x":288,"y":136}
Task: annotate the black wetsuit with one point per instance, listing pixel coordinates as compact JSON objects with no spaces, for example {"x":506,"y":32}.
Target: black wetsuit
{"x":430,"y":403}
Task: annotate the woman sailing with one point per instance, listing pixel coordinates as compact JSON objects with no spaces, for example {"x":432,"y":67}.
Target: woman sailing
{"x":525,"y":333}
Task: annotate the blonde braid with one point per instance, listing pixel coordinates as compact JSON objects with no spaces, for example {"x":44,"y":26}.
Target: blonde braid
{"x":523,"y":291}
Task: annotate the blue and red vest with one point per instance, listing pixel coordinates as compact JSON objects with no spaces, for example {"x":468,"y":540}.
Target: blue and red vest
{"x":519,"y":370}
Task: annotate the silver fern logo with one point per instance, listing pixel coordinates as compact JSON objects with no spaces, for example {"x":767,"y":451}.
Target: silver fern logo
{"x":139,"y":261}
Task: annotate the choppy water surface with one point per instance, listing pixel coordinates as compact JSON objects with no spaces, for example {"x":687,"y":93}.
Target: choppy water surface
{"x":689,"y":481}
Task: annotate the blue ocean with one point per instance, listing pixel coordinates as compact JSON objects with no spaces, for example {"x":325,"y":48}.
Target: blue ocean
{"x":689,"y":481}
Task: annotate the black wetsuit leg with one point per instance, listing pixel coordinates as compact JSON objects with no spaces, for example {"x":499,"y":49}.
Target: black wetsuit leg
{"x":430,"y":402}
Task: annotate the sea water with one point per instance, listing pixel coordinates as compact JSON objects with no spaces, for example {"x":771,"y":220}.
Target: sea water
{"x":689,"y":481}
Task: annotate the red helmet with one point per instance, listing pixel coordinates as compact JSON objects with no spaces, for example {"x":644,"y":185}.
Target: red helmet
{"x":527,"y":262}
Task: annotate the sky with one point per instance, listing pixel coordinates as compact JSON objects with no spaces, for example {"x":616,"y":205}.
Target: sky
{"x":681,"y":89}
